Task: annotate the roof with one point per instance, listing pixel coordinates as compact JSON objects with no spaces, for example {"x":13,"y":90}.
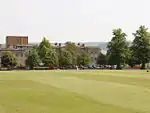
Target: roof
{"x":17,"y":36}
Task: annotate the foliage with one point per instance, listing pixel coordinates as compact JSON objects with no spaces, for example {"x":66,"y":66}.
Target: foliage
{"x":130,"y":59}
{"x":102,"y":59}
{"x":65,"y":58}
{"x":47,"y":55}
{"x":50,"y":59}
{"x":83,"y":59}
{"x":117,"y":48}
{"x":44,"y":47}
{"x":74,"y":50}
{"x":141,"y":46}
{"x":35,"y":47}
{"x":33,"y":59}
{"x":8,"y":59}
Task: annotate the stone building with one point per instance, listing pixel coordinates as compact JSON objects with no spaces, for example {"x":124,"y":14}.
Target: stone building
{"x":20,"y":55}
{"x":93,"y":51}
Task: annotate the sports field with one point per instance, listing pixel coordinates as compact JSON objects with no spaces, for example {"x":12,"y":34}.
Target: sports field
{"x":75,"y":91}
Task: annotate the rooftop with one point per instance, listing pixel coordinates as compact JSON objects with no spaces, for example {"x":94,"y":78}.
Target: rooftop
{"x":17,"y":36}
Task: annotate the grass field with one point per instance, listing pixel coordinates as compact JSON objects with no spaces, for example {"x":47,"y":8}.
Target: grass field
{"x":75,"y":91}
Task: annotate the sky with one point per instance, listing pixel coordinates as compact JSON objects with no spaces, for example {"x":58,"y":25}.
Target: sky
{"x":72,"y":20}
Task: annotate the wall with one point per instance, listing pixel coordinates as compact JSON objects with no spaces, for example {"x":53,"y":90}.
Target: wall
{"x":20,"y":54}
{"x":93,"y":52}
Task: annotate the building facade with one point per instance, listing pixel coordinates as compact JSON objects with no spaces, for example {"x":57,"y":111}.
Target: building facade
{"x":16,"y":40}
{"x":93,"y":52}
{"x":21,"y":55}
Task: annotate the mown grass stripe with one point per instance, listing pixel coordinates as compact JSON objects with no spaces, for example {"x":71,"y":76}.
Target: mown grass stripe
{"x":126,"y":96}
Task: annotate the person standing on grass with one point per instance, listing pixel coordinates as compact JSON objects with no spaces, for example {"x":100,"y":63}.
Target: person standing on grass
{"x":77,"y":68}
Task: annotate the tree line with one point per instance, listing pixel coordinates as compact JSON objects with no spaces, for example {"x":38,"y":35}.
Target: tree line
{"x":120,"y":52}
{"x":46,"y":55}
{"x":67,"y":56}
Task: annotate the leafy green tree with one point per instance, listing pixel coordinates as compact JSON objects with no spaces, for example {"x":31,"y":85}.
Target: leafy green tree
{"x":83,"y":59}
{"x":35,"y":47}
{"x":8,"y":59}
{"x":65,"y":58}
{"x":74,"y":50}
{"x":130,"y":59}
{"x":51,"y":58}
{"x":102,"y":59}
{"x":141,"y":46}
{"x":44,"y":47}
{"x":47,"y":54}
{"x":33,"y":59}
{"x":117,"y":48}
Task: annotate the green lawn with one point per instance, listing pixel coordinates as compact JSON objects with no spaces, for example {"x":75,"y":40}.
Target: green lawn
{"x":75,"y":91}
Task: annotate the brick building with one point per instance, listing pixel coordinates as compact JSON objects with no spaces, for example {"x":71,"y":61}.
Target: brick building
{"x":16,"y":40}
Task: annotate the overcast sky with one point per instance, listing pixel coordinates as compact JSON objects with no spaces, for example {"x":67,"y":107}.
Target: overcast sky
{"x":75,"y":20}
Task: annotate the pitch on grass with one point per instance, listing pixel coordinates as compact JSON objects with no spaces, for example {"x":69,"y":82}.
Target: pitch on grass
{"x":75,"y":92}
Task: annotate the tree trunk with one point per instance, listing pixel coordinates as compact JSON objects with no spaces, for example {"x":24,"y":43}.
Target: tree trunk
{"x":143,"y":65}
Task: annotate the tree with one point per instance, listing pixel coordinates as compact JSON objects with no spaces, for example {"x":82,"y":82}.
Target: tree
{"x":44,"y":47}
{"x":51,"y":58}
{"x":102,"y":59}
{"x":117,"y":48}
{"x":130,"y":59}
{"x":33,"y":59}
{"x":47,"y":55}
{"x":141,"y":46}
{"x":83,"y":59}
{"x":8,"y":59}
{"x":74,"y":50}
{"x":35,"y":47}
{"x":65,"y":58}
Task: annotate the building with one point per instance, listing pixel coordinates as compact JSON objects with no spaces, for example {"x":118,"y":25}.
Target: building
{"x":12,"y":41}
{"x":93,"y":52}
{"x":19,"y":46}
{"x":20,"y":55}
